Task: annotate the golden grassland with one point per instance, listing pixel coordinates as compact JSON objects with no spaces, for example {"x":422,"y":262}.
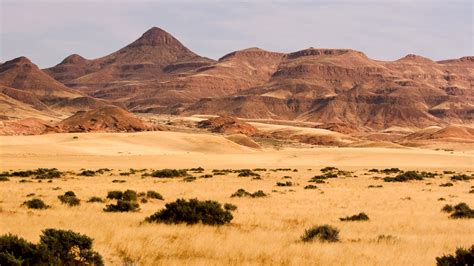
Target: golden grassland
{"x":264,"y":230}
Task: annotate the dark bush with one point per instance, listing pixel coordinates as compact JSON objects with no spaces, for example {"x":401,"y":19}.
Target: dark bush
{"x":358,"y":217}
{"x":323,"y":233}
{"x":446,"y":185}
{"x":390,"y":171}
{"x":310,"y":187}
{"x":154,"y":195}
{"x":447,"y":208}
{"x":164,"y":173}
{"x":118,"y":181}
{"x":189,"y":178}
{"x":462,"y":210}
{"x":4,"y":178}
{"x":56,"y":247}
{"x":192,"y":211}
{"x":69,"y":198}
{"x":461,"y":178}
{"x":35,"y":204}
{"x":246,"y":172}
{"x":206,"y":176}
{"x":243,"y":193}
{"x":122,"y":206}
{"x":129,"y":195}
{"x":285,"y":184}
{"x":115,"y":194}
{"x":95,"y":199}
{"x":404,"y":177}
{"x":462,"y":257}
{"x":46,"y":173}
{"x":230,"y":207}
{"x":375,"y":186}
{"x":87,"y":173}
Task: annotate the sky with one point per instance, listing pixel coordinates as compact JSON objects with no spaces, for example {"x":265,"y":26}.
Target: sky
{"x":47,"y":31}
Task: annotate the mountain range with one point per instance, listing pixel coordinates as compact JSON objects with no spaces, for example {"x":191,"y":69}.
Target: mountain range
{"x":341,"y":89}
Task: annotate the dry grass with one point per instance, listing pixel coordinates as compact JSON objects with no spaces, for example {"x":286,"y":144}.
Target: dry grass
{"x":264,"y":230}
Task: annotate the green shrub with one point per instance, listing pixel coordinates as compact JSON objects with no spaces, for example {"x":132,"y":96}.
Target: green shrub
{"x":46,"y":173}
{"x":192,"y":211}
{"x":35,"y":204}
{"x":56,"y":247}
{"x":154,"y":195}
{"x":122,"y":206}
{"x":95,"y":199}
{"x":404,"y":177}
{"x":115,"y":194}
{"x":462,"y":257}
{"x":325,"y":233}
{"x":165,"y":173}
{"x":69,"y":198}
{"x":462,"y":210}
{"x":129,"y":195}
{"x":358,"y":217}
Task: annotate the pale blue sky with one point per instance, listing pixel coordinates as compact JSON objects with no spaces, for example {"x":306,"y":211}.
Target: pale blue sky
{"x":46,"y":31}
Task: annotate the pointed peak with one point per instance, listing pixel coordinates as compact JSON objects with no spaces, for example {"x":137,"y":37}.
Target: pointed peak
{"x":22,"y":60}
{"x":155,"y":37}
{"x":73,"y":59}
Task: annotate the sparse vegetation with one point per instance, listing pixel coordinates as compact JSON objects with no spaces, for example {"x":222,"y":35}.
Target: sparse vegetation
{"x":462,"y":257}
{"x":449,"y":184}
{"x":56,"y":247}
{"x":404,"y":177}
{"x":37,"y":204}
{"x":122,"y":206}
{"x":310,"y":187}
{"x":324,"y":233}
{"x":95,"y":199}
{"x":87,"y":173}
{"x":285,"y":184}
{"x":192,"y":211}
{"x":462,"y":177}
{"x":357,"y":217}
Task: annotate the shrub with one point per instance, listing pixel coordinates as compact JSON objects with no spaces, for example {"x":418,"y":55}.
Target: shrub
{"x":375,"y":186}
{"x":154,"y":195}
{"x":246,"y":172}
{"x":189,"y":178}
{"x":69,"y":198}
{"x":95,"y":199}
{"x":447,"y":208}
{"x":286,"y":177}
{"x":206,"y":176}
{"x":325,"y":233}
{"x":87,"y":173}
{"x":243,"y":193}
{"x":4,"y":178}
{"x":56,"y":247}
{"x":115,"y":194}
{"x":35,"y":204}
{"x":390,"y":171}
{"x":118,"y":181}
{"x":192,"y":211}
{"x":164,"y":173}
{"x":284,"y":184}
{"x":404,"y":177}
{"x":129,"y":195}
{"x":461,"y":178}
{"x":446,"y":185}
{"x":462,"y":210}
{"x":46,"y":173}
{"x":461,"y":257}
{"x":358,"y":217}
{"x":122,"y":206}
{"x":230,"y":207}
{"x":310,"y":187}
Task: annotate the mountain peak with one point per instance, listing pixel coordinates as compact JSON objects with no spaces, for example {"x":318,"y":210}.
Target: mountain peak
{"x":73,"y":59}
{"x":155,"y":37}
{"x":22,"y":60}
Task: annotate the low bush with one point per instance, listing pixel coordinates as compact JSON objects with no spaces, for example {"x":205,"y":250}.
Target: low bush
{"x":189,"y":178}
{"x":206,"y":176}
{"x":192,"y":211}
{"x":285,"y":184}
{"x":230,"y":207}
{"x":243,"y":193}
{"x":462,"y":177}
{"x":56,"y":247}
{"x":375,"y":186}
{"x":446,"y":184}
{"x":462,"y":210}
{"x":69,"y":198}
{"x":310,"y":187}
{"x":95,"y":199}
{"x":246,"y":172}
{"x":325,"y":233}
{"x":404,"y":177}
{"x":129,"y":195}
{"x":391,"y":171}
{"x":122,"y":206}
{"x":87,"y":173}
{"x":357,"y":217}
{"x":4,"y":178}
{"x":462,"y":257}
{"x":115,"y":194}
{"x":118,"y":181}
{"x":167,"y":173}
{"x":154,"y":195}
{"x":35,"y":204}
{"x":447,"y":208}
